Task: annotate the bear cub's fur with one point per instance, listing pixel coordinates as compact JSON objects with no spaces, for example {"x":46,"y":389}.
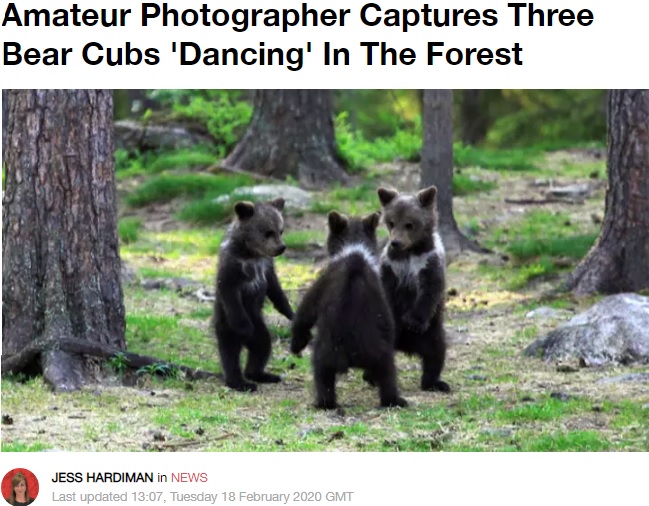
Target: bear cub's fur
{"x":349,"y":309}
{"x":413,"y":274}
{"x":245,"y":277}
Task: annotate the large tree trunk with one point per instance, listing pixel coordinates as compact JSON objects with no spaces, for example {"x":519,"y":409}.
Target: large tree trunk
{"x":291,"y":134}
{"x":61,"y":264}
{"x":437,"y":166}
{"x":619,"y":261}
{"x":5,"y":110}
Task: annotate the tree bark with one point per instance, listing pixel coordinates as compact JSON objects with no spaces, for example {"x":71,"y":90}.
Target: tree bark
{"x":437,"y":166}
{"x":5,"y":110}
{"x":61,"y":264}
{"x":291,"y":133}
{"x":619,"y":261}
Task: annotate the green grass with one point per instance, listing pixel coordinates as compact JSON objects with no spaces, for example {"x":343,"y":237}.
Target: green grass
{"x":167,"y":187}
{"x":574,"y":247}
{"x":181,"y":159}
{"x":205,"y":212}
{"x":541,"y":244}
{"x":131,"y":165}
{"x":168,"y":338}
{"x":128,"y":229}
{"x":466,"y":185}
{"x":17,"y":446}
{"x":572,"y":441}
{"x":303,"y":239}
{"x":521,"y":159}
{"x":177,"y":243}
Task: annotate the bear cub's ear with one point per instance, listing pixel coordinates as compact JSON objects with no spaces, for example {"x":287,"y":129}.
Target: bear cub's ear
{"x":386,"y":195}
{"x":337,"y":222}
{"x":426,"y":197}
{"x":371,"y":221}
{"x":244,"y":210}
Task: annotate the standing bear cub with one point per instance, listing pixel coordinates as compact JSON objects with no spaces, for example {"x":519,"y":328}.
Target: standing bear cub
{"x":245,"y":277}
{"x":413,"y":274}
{"x":347,"y":305}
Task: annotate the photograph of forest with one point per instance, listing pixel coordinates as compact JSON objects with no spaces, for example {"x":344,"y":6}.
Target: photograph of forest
{"x":325,"y":270}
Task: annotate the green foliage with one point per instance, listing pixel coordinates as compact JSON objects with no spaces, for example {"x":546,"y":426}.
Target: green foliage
{"x":128,"y":229}
{"x":119,"y":363}
{"x":167,"y":187}
{"x":548,"y":118}
{"x":224,"y":113}
{"x":360,"y":153}
{"x":379,"y":113}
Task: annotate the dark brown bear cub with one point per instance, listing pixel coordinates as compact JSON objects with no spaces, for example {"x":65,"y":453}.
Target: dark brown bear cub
{"x":347,"y":305}
{"x":413,"y":274}
{"x":245,"y":277}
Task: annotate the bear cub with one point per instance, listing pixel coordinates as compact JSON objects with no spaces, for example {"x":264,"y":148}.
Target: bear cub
{"x":413,"y":275}
{"x":349,"y":309}
{"x":245,"y":277}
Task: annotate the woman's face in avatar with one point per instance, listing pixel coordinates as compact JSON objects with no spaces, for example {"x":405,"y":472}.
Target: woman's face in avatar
{"x":20,"y":488}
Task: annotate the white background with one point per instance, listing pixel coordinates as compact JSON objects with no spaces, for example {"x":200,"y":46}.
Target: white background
{"x":397,"y":479}
{"x":610,"y":53}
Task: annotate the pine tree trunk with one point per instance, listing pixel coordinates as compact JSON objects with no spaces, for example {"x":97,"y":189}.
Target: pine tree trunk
{"x":291,"y":134}
{"x":61,"y":264}
{"x":619,"y":261}
{"x":437,"y":166}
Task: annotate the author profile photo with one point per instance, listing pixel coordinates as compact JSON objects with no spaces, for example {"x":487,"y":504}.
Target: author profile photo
{"x":20,"y":487}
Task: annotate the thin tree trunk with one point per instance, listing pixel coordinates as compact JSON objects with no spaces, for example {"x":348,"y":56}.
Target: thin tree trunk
{"x":61,"y":264}
{"x":437,"y":166}
{"x":619,"y":261}
{"x":291,"y":133}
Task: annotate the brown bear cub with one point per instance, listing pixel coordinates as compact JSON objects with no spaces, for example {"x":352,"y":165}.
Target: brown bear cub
{"x":349,"y":309}
{"x":413,"y":274}
{"x":245,"y":277}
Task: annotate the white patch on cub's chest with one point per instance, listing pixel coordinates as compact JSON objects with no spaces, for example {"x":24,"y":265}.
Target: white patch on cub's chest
{"x":407,"y":269}
{"x":256,"y":271}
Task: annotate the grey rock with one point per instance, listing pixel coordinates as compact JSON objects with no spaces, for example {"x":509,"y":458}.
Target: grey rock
{"x":577,"y":191}
{"x":613,"y":331}
{"x":295,"y":197}
{"x":641,"y":377}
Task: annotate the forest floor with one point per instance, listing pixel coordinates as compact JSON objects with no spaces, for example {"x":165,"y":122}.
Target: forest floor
{"x":501,"y":400}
